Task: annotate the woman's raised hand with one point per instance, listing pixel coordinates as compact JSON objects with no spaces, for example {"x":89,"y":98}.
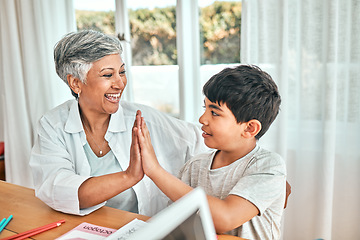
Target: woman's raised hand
{"x":148,"y":156}
{"x":135,"y":169}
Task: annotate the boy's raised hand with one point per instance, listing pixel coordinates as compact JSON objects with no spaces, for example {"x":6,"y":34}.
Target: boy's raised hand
{"x":148,"y":156}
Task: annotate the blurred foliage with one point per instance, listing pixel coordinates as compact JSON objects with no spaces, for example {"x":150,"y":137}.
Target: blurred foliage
{"x":153,"y":36}
{"x":220,"y":25}
{"x":153,"y":32}
{"x":96,"y":20}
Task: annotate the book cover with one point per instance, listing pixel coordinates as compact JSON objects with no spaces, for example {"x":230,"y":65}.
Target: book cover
{"x":87,"y":231}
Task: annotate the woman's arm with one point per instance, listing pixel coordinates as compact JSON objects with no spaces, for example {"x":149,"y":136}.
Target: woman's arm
{"x":61,"y":187}
{"x":96,"y":190}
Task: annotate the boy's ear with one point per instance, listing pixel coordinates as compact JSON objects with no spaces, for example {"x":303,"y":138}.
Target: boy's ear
{"x":253,"y":127}
{"x":74,"y":83}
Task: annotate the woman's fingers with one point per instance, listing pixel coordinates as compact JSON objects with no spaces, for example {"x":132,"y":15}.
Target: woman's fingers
{"x":135,"y":166}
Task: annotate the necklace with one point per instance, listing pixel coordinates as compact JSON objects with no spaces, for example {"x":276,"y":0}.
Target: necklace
{"x":100,"y":149}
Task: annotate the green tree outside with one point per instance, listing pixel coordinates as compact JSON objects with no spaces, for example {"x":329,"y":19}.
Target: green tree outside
{"x":153,"y":32}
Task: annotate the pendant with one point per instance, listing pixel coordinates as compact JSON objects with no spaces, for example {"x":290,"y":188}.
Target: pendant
{"x":100,"y":152}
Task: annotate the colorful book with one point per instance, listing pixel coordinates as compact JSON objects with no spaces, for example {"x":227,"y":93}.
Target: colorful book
{"x":87,"y":231}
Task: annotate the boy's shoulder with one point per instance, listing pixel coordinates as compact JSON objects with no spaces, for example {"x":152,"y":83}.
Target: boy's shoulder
{"x":265,"y":153}
{"x":266,"y":159}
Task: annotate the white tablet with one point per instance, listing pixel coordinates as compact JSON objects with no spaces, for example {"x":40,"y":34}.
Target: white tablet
{"x":188,"y":218}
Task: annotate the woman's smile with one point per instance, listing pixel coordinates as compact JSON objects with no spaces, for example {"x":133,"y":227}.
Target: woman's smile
{"x":113,"y":97}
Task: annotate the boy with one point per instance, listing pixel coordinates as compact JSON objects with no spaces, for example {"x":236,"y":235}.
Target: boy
{"x":245,"y":184}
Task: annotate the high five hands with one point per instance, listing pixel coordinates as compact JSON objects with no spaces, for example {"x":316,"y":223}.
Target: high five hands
{"x":142,"y":152}
{"x":142,"y":148}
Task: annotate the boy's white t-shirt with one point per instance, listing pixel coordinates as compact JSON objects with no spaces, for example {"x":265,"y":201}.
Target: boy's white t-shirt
{"x":259,"y":177}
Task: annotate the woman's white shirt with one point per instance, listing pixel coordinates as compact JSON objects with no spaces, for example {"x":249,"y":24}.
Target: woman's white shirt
{"x":107,"y":164}
{"x":59,"y":164}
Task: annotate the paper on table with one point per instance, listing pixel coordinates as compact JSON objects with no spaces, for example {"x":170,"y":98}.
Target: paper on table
{"x":87,"y":231}
{"x":124,"y":232}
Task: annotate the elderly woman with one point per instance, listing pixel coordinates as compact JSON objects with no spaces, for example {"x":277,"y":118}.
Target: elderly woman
{"x":81,"y":159}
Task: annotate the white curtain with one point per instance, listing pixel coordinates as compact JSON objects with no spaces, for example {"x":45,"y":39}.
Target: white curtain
{"x":29,"y":85}
{"x":312,"y":50}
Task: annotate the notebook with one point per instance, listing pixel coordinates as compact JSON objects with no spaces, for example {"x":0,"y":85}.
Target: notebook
{"x":188,"y":218}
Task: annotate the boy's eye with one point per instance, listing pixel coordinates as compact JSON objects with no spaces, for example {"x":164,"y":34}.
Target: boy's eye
{"x":214,"y":113}
{"x":122,"y":72}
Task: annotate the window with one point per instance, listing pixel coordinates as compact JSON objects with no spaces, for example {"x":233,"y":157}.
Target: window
{"x":170,"y":57}
{"x":220,"y":31}
{"x":154,"y":54}
{"x":153,"y":33}
{"x":220,"y":25}
{"x":91,"y":14}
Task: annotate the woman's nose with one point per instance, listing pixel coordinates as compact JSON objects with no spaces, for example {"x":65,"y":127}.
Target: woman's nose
{"x":119,"y":81}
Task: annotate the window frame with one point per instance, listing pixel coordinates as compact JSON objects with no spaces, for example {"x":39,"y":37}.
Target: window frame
{"x":188,"y":53}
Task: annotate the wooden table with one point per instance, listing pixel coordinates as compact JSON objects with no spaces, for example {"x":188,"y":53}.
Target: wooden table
{"x":30,"y":212}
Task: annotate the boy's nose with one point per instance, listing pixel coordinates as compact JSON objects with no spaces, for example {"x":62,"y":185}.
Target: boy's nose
{"x":202,"y":119}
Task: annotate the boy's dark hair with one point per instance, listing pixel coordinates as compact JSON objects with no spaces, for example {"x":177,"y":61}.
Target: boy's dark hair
{"x":248,"y":92}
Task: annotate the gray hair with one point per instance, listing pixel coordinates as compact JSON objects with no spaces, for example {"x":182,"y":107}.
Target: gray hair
{"x":75,"y":53}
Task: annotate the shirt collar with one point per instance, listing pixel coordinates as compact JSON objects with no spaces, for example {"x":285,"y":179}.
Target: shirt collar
{"x":73,"y":123}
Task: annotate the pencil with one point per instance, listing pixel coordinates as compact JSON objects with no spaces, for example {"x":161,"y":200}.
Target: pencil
{"x":4,"y":223}
{"x":34,"y":231}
